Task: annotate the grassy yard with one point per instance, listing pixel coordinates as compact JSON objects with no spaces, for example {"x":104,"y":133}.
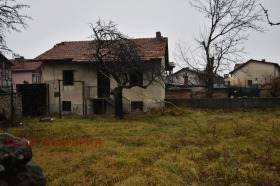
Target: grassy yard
{"x":232,"y":147}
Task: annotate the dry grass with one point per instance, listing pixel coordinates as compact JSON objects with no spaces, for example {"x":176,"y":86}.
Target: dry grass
{"x":164,"y":148}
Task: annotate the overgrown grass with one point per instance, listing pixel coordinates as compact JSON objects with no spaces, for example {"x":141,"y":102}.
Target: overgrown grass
{"x":163,"y":148}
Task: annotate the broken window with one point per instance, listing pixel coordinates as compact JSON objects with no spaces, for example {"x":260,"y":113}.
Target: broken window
{"x":68,"y":77}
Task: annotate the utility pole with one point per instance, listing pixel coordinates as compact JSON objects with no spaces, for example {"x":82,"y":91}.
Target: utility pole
{"x":12,"y":106}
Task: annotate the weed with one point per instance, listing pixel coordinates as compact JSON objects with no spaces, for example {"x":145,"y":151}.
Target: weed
{"x":161,"y":149}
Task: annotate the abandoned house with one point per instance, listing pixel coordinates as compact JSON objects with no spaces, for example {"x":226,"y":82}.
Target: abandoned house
{"x":76,"y":85}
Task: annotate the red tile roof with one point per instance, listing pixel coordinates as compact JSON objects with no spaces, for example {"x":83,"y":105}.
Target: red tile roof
{"x":79,"y":50}
{"x":24,"y":66}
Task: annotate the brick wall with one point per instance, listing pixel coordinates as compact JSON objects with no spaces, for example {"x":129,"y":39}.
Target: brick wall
{"x":5,"y":103}
{"x":223,"y":93}
{"x":193,"y":94}
{"x":177,"y":94}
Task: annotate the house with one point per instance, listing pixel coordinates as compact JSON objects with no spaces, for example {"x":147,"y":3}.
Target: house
{"x":253,"y":72}
{"x":188,"y":84}
{"x":77,"y":85}
{"x":5,"y":74}
{"x":24,"y":72}
{"x":178,"y":78}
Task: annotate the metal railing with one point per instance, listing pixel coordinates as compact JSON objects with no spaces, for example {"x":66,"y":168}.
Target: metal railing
{"x":91,"y":92}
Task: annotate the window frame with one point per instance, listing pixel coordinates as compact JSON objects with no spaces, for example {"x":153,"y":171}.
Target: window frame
{"x":66,"y":106}
{"x":38,"y":77}
{"x":136,"y":79}
{"x":250,"y":82}
{"x":137,"y":105}
{"x":5,"y":75}
{"x":67,"y":80}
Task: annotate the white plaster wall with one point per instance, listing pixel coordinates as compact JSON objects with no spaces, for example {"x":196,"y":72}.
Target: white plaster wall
{"x":51,"y":73}
{"x":255,"y":71}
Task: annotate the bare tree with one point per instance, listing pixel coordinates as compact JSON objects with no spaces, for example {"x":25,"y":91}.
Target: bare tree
{"x":11,"y":20}
{"x":122,"y":58}
{"x":220,"y":43}
{"x":267,"y":17}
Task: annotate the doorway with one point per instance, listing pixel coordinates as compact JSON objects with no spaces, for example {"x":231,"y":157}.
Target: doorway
{"x":99,"y":106}
{"x":103,"y":83}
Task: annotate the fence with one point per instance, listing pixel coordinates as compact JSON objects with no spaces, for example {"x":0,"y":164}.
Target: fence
{"x":226,"y":103}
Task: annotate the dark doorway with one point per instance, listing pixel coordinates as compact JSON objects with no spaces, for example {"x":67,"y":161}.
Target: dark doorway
{"x":99,"y":106}
{"x":103,"y":84}
{"x":34,"y":99}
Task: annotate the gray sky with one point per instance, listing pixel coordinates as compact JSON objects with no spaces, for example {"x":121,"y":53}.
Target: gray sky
{"x":67,"y":20}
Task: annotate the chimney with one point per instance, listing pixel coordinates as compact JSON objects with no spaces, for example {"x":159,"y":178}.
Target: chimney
{"x":186,"y":81}
{"x":158,"y":36}
{"x":263,"y":60}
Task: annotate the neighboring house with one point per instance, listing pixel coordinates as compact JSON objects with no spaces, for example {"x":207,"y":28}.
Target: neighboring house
{"x":188,"y":83}
{"x":5,"y":74}
{"x":25,"y":72}
{"x":178,"y":78}
{"x":75,"y":83}
{"x":253,"y":72}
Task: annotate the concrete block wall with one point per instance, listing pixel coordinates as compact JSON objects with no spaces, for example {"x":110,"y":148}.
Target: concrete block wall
{"x":259,"y":103}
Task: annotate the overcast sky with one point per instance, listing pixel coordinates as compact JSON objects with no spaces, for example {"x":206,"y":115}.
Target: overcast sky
{"x":54,"y":21}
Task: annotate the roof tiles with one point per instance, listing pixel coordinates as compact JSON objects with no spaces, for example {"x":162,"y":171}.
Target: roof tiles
{"x":24,"y":66}
{"x":79,"y":50}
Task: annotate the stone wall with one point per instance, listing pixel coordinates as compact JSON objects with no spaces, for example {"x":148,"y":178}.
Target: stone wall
{"x":5,"y":103}
{"x":227,"y":103}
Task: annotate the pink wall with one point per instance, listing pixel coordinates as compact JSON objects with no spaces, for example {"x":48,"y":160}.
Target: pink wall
{"x":19,"y":77}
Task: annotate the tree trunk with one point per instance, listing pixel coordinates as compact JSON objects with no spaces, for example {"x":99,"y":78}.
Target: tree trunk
{"x":210,"y":89}
{"x":117,"y":92}
{"x":210,"y":78}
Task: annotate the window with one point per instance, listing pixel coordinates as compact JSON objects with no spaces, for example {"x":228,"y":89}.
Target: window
{"x":250,"y":82}
{"x":68,"y":77}
{"x":36,"y":78}
{"x":136,"y":78}
{"x":137,"y":106}
{"x":5,"y":75}
{"x":66,"y":105}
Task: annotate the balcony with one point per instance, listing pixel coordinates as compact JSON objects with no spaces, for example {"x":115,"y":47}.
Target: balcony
{"x":95,"y":92}
{"x":91,"y":92}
